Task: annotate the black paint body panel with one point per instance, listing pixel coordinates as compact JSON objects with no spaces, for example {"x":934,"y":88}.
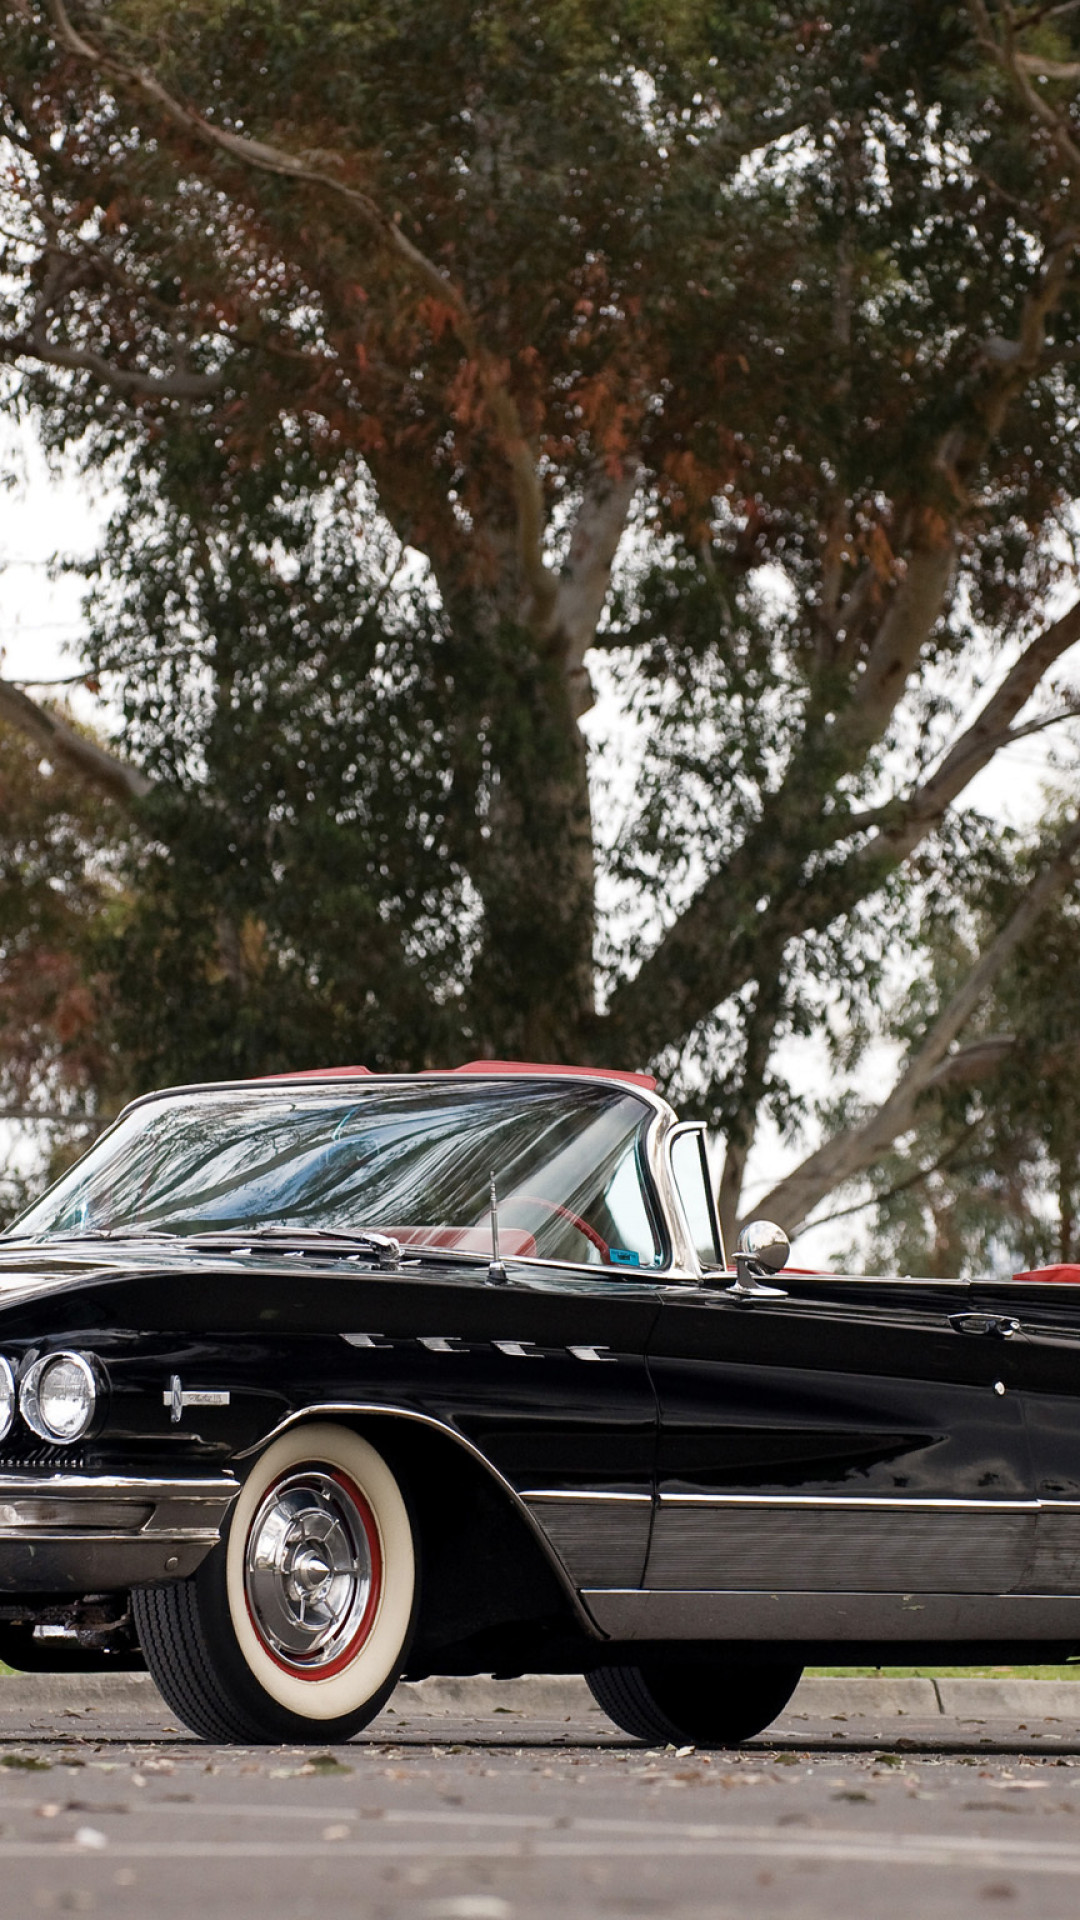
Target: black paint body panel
{"x":663,"y":1439}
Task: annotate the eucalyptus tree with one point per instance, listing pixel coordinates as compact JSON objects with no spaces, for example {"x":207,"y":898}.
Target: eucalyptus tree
{"x":62,"y":853}
{"x":731,"y":343}
{"x":985,"y":1171}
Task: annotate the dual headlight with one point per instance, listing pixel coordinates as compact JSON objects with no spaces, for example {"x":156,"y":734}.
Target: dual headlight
{"x":57,"y":1397}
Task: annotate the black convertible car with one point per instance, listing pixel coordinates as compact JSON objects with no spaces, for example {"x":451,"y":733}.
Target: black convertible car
{"x":310,"y":1383}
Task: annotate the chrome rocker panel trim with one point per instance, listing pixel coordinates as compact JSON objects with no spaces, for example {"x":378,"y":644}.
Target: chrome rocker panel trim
{"x":638,"y":1614}
{"x":89,"y":1532}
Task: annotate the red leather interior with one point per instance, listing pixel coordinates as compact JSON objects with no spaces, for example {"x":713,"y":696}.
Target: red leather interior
{"x":1069,"y":1275}
{"x":532,"y":1066}
{"x":512,"y":1240}
{"x":481,"y":1066}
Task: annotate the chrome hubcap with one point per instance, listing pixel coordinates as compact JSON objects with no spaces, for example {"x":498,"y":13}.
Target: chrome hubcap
{"x":309,"y":1570}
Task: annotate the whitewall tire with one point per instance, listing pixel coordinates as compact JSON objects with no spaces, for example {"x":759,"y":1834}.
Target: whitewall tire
{"x":298,"y":1623}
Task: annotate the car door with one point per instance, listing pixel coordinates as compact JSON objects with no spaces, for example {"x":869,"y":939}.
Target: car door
{"x":838,"y":1437}
{"x":1038,"y":1333}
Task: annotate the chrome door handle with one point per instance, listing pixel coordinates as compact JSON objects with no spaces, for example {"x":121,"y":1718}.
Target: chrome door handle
{"x":1001,"y":1325}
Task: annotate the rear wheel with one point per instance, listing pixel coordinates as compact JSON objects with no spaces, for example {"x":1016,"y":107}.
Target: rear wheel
{"x":296,"y":1626}
{"x":706,"y":1705}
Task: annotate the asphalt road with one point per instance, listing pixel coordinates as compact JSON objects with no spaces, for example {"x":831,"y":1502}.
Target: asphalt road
{"x":507,"y":1816}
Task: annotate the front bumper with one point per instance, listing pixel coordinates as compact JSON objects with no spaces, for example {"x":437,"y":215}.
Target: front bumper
{"x":93,"y":1532}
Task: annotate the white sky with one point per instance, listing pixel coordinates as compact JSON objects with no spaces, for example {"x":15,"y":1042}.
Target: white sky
{"x":45,"y":516}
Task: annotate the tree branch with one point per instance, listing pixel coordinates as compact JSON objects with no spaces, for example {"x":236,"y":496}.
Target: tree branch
{"x":972,"y":1063}
{"x":103,"y":769}
{"x":912,"y":614}
{"x":945,"y":1159}
{"x":712,"y":949}
{"x":977,"y":745}
{"x":1014,"y":65}
{"x":852,"y":1151}
{"x":586,"y":577}
{"x":260,"y":155}
{"x":168,"y":386}
{"x":701,"y":950}
{"x":1049,"y":69}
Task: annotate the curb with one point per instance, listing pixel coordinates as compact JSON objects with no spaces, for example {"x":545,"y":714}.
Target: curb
{"x":544,"y":1697}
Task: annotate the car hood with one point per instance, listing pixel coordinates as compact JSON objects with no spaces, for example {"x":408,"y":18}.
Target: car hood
{"x":30,"y":1272}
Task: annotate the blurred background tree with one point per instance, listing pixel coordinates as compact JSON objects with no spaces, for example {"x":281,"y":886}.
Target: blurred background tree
{"x":62,"y":853}
{"x":988,"y":1176}
{"x":445,"y":357}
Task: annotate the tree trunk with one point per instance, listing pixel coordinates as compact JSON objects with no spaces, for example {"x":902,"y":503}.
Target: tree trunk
{"x":532,"y":858}
{"x":534,"y":869}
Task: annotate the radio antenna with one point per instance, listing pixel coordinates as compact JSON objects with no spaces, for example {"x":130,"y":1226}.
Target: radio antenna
{"x":496,"y":1270}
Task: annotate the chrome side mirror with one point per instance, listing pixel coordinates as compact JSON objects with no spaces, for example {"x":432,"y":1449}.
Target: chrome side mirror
{"x":761,"y":1248}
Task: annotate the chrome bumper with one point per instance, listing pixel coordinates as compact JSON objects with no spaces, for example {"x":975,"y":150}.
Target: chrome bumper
{"x":89,"y":1533}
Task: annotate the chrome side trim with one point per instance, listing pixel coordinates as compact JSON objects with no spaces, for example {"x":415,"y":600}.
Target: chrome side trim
{"x":580,"y":1494}
{"x":869,"y":1503}
{"x":350,"y":1409}
{"x":631,"y":1614}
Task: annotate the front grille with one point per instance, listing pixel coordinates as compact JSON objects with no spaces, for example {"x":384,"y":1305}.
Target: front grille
{"x":39,"y":1454}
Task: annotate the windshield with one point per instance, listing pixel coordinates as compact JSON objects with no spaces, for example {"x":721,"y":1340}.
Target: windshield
{"x":409,"y":1160}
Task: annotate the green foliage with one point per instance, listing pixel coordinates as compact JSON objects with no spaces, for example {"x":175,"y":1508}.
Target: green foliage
{"x":810,"y":276}
{"x":990,"y":1178}
{"x":61,"y":851}
{"x":298,"y":891}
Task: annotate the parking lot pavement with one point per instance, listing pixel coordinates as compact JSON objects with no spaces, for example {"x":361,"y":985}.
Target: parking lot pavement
{"x":452,"y":1815}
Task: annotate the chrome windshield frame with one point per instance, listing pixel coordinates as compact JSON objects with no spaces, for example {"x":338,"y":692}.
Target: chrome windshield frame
{"x":679,"y":1257}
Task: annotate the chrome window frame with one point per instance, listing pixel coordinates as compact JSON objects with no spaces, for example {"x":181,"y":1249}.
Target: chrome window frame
{"x":678,"y":1131}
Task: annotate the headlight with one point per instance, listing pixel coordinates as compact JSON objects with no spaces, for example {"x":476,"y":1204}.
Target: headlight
{"x":7,"y":1397}
{"x":58,"y":1396}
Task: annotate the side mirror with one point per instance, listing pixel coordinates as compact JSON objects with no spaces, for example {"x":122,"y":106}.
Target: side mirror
{"x":761,"y":1248}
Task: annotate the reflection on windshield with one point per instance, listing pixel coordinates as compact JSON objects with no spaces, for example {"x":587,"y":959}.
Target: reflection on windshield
{"x":410,"y":1161}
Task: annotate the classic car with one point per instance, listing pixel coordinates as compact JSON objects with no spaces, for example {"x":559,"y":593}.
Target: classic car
{"x":311,"y":1383}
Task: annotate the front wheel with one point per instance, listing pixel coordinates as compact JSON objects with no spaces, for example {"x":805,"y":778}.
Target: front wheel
{"x":692,"y":1702}
{"x":296,"y":1626}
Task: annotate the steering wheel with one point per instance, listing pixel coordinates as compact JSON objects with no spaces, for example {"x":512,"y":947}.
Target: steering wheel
{"x":562,"y":1213}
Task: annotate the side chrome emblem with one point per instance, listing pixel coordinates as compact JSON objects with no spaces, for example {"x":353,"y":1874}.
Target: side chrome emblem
{"x":176,"y":1397}
{"x":457,"y":1343}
